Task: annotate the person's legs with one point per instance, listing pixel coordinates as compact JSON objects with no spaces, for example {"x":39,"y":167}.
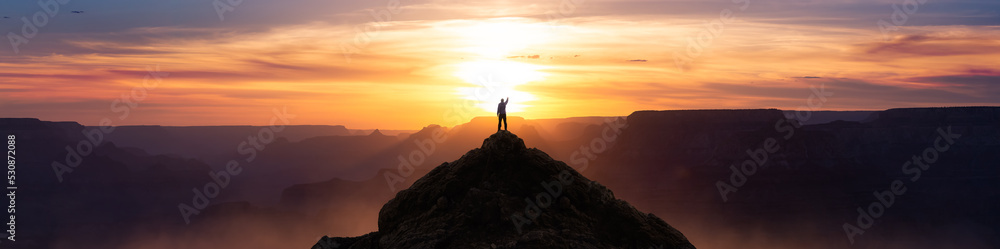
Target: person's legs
{"x":504,"y":122}
{"x":499,"y":119}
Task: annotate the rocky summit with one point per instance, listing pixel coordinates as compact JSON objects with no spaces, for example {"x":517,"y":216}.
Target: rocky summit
{"x":504,"y":195}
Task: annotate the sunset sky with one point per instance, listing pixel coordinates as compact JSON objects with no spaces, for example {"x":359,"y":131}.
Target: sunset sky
{"x":409,"y":63}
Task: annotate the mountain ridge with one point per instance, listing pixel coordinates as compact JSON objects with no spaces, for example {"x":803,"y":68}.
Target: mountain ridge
{"x":483,"y":199}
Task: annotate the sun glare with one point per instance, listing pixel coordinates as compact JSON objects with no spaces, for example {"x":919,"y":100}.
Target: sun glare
{"x":496,"y":79}
{"x":493,"y":74}
{"x":500,"y":37}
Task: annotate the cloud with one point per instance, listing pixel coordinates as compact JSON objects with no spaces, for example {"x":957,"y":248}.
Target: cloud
{"x":291,"y":53}
{"x":535,"y":56}
{"x":963,"y":80}
{"x":51,"y":76}
{"x":982,"y":85}
{"x":934,"y":45}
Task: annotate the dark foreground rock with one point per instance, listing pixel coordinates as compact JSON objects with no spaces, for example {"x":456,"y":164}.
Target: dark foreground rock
{"x":504,"y":195}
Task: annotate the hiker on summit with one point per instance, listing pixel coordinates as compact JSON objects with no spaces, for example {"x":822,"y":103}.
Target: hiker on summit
{"x":502,"y":113}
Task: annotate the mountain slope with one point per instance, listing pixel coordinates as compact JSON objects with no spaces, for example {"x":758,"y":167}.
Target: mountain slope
{"x":504,"y":195}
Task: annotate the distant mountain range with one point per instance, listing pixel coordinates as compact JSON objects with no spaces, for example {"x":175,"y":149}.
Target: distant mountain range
{"x":311,"y":181}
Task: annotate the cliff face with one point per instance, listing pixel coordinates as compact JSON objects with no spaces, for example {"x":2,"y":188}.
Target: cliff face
{"x":937,"y":116}
{"x":683,"y":161}
{"x":504,"y":195}
{"x":75,"y":187}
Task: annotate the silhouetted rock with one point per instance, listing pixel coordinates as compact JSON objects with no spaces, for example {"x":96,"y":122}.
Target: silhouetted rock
{"x":823,"y":117}
{"x":937,"y":116}
{"x":481,"y":200}
{"x":676,"y":162}
{"x":76,"y":188}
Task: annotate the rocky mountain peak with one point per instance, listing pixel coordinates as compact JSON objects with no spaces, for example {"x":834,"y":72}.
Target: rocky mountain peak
{"x":504,"y":195}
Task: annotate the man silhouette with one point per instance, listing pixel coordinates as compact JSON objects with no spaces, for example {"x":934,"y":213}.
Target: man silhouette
{"x":502,"y":113}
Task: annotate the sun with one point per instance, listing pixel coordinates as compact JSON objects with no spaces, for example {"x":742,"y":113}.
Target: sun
{"x":490,"y":71}
{"x":497,"y":79}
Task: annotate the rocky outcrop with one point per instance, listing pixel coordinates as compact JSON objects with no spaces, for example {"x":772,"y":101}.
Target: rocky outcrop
{"x":504,"y":195}
{"x":684,"y":162}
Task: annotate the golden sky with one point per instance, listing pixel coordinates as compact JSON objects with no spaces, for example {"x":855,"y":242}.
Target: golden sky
{"x":406,"y":64}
